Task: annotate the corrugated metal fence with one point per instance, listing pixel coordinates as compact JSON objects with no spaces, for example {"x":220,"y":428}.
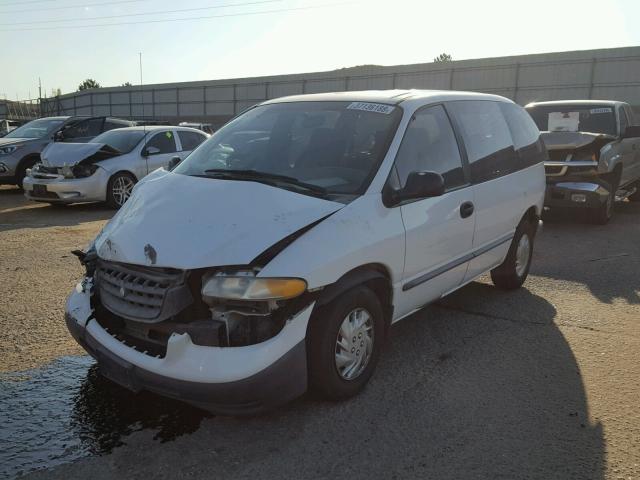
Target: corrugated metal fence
{"x":598,"y":74}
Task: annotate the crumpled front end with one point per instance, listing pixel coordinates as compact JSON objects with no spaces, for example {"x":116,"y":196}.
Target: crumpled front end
{"x":576,"y":176}
{"x":150,"y":329}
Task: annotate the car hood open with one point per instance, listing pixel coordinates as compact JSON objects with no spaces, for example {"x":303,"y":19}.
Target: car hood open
{"x":574,"y":140}
{"x":58,"y":154}
{"x":179,"y":221}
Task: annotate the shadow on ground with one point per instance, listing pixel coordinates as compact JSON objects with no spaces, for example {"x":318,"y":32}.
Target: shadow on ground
{"x":17,"y":212}
{"x":482,"y":385}
{"x":605,"y":258}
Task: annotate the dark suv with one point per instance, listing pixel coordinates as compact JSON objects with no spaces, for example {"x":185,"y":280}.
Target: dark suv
{"x":20,"y":149}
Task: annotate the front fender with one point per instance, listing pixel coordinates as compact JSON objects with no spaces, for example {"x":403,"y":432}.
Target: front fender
{"x":364,"y":232}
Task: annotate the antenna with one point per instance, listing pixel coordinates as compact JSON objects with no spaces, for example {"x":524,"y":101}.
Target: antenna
{"x":144,"y":123}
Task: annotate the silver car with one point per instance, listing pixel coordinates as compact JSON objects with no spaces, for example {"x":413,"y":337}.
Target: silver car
{"x":20,"y":149}
{"x":106,"y":169}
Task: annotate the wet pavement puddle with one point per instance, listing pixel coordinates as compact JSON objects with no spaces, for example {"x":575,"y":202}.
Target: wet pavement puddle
{"x":66,"y":410}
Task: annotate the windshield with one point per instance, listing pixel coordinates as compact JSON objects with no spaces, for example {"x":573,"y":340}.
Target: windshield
{"x":36,"y":128}
{"x":122,"y":140}
{"x":335,"y":146}
{"x":574,"y":118}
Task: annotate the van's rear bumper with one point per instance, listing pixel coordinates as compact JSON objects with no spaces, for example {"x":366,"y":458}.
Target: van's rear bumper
{"x":280,"y":381}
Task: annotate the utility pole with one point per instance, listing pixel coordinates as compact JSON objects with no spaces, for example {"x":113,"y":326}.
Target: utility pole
{"x":141,"y":91}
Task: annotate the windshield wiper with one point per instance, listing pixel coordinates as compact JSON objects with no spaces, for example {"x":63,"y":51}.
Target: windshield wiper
{"x":265,"y":177}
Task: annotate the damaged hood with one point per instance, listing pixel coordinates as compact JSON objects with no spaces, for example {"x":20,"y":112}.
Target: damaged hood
{"x":184,"y":222}
{"x":574,"y":140}
{"x":58,"y":154}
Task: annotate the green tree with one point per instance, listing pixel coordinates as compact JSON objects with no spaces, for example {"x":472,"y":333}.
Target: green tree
{"x":443,"y":57}
{"x":88,"y":84}
{"x":127,"y":84}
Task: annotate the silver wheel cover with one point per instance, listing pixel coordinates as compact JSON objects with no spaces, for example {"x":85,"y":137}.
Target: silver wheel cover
{"x":354,"y":344}
{"x":523,"y":252}
{"x":121,"y":189}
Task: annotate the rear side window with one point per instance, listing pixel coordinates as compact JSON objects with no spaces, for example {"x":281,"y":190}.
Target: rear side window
{"x":624,"y":121}
{"x":113,"y":124}
{"x":486,"y":137}
{"x":630,"y":115}
{"x":84,"y":128}
{"x":525,"y":136}
{"x":190,"y":140}
{"x":164,"y":142}
{"x":429,"y":144}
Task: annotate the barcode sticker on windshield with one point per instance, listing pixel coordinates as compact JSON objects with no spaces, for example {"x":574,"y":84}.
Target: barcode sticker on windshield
{"x":371,"y":107}
{"x":600,"y":110}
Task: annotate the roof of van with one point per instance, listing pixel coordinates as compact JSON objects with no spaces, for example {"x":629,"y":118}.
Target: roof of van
{"x":604,"y":103}
{"x":391,"y":97}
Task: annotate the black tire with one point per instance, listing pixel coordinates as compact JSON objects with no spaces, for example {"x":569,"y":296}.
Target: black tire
{"x":21,"y":171}
{"x":636,"y":196}
{"x":602,"y":214}
{"x":325,"y":379}
{"x":113,"y":199}
{"x":512,"y":273}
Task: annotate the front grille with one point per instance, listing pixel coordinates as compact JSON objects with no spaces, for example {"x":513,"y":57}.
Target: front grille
{"x":144,"y":294}
{"x":552,"y":170}
{"x":559,"y":155}
{"x":44,"y":172}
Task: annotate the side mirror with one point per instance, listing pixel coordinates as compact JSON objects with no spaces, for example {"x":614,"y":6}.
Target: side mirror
{"x":422,"y":185}
{"x":146,"y":151}
{"x":173,"y":163}
{"x":59,"y":136}
{"x":632,"y":131}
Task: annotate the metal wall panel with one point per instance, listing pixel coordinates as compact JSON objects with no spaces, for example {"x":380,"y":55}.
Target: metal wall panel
{"x":277,"y":90}
{"x":371,"y":83}
{"x":223,"y":92}
{"x":607,"y":73}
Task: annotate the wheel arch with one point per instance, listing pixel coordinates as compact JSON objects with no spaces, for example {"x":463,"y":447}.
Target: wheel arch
{"x":375,"y":276}
{"x":26,"y":160}
{"x":125,"y":171}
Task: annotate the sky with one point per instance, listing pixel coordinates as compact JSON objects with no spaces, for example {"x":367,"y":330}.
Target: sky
{"x":63,"y":42}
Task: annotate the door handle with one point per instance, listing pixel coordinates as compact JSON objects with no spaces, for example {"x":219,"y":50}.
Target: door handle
{"x":466,"y":209}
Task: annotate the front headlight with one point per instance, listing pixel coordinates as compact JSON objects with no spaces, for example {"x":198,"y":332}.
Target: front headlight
{"x":247,"y":287}
{"x":8,"y":150}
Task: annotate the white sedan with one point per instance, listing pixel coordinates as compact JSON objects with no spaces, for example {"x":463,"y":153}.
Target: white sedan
{"x":106,"y":169}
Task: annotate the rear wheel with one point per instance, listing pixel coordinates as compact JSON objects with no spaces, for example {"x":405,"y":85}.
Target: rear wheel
{"x":119,"y":189}
{"x":344,"y":342}
{"x":512,"y":273}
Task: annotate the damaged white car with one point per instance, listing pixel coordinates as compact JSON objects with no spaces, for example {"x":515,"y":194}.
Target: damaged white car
{"x":106,"y":169}
{"x":276,"y":256}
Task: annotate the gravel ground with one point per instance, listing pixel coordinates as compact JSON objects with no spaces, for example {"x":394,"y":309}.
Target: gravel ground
{"x":541,"y":383}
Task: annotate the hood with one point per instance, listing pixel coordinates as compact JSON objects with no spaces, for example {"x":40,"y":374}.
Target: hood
{"x":58,"y":154}
{"x":184,"y":222}
{"x":574,"y":140}
{"x":11,"y":141}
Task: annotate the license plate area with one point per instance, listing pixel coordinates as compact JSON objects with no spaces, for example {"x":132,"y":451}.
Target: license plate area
{"x":39,"y":190}
{"x":120,"y":372}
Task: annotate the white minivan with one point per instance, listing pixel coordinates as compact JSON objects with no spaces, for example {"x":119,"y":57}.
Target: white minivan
{"x":276,"y":256}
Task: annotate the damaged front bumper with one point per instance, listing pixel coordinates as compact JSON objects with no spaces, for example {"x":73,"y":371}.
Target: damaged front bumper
{"x":589,"y":194}
{"x":225,"y":380}
{"x":58,"y":189}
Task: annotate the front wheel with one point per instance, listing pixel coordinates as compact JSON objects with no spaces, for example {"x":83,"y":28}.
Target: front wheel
{"x":602,"y":214}
{"x":344,"y":342}
{"x":119,"y":189}
{"x":512,"y":273}
{"x":635,"y":197}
